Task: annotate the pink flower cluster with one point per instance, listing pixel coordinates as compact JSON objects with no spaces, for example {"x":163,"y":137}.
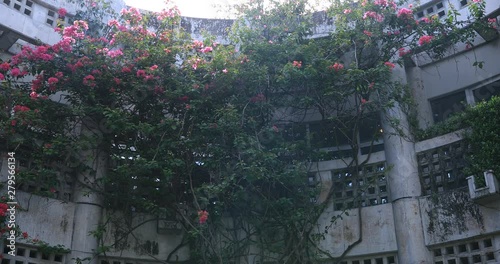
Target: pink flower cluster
{"x":336,"y":66}
{"x":202,"y":216}
{"x":389,"y":64}
{"x":425,"y":40}
{"x":372,"y":14}
{"x":115,"y":53}
{"x":20,"y":108}
{"x":402,"y":52}
{"x":173,"y":12}
{"x":297,"y":64}
{"x":206,"y":49}
{"x":405,"y":13}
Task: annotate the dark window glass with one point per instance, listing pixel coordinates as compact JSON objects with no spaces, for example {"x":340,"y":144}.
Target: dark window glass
{"x":444,"y":107}
{"x":486,"y":92}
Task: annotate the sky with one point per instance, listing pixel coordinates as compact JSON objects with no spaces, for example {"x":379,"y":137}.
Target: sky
{"x":200,"y":8}
{"x":189,"y":8}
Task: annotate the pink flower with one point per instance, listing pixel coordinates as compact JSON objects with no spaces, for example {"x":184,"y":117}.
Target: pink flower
{"x":403,"y":51}
{"x":368,"y":33}
{"x":424,"y":40}
{"x":89,"y":80}
{"x":33,"y":95}
{"x":154,"y":67}
{"x":297,"y":64}
{"x":202,"y":216}
{"x":336,"y":66}
{"x":347,"y":11}
{"x":275,"y":129}
{"x":53,"y":80}
{"x":13,"y":122}
{"x":363,"y":101}
{"x":370,"y":86}
{"x":62,"y":12}
{"x":141,"y":73}
{"x":115,"y":53}
{"x":113,"y":23}
{"x":20,"y":108}
{"x":389,"y":64}
{"x":426,"y":20}
{"x":15,"y":72}
{"x":224,"y":71}
{"x":4,"y":66}
{"x":405,"y":13}
{"x":53,"y":190}
{"x":206,"y":49}
{"x":2,"y":77}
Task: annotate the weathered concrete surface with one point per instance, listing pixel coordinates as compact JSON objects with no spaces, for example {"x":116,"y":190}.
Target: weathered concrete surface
{"x":404,"y":184}
{"x":377,"y":231}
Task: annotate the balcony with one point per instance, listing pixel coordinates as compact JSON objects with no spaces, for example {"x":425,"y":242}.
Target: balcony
{"x":484,"y":193}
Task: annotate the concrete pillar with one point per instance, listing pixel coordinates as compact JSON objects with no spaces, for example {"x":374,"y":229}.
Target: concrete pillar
{"x":88,"y":211}
{"x":404,"y":185}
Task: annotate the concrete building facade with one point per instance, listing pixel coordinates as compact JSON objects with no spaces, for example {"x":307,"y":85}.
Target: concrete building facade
{"x":409,"y":215}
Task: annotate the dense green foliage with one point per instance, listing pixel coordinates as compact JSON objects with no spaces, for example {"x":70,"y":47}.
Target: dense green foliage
{"x":213,"y":135}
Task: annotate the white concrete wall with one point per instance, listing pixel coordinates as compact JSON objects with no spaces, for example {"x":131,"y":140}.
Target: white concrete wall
{"x":377,"y":236}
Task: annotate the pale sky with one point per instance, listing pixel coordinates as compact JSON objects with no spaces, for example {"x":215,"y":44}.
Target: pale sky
{"x":202,"y":8}
{"x":189,"y":8}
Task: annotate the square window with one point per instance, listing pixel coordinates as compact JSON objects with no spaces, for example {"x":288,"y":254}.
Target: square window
{"x":27,"y":12}
{"x":384,"y":200}
{"x":437,"y":252}
{"x":443,"y":108}
{"x":29,"y":3}
{"x":45,"y":256}
{"x":490,"y":256}
{"x":430,"y":10}
{"x":367,"y":261}
{"x":33,"y":253}
{"x":7,"y":2}
{"x":58,"y":258}
{"x":464,"y":260}
{"x":474,"y":246}
{"x":476,"y":258}
{"x":49,"y":21}
{"x":441,"y":14}
{"x":371,"y":190}
{"x":391,"y":260}
{"x":355,"y":262}
{"x":462,"y":248}
{"x":487,"y":243}
{"x":51,"y":13}
{"x":463,"y":3}
{"x":5,"y":261}
{"x":452,"y":261}
{"x":20,"y":251}
{"x":373,"y":201}
{"x":17,"y":7}
{"x":383,"y":189}
{"x":338,"y":195}
{"x":439,"y":5}
{"x":19,"y":262}
{"x":450,"y":250}
{"x":379,"y":261}
{"x":486,"y":92}
{"x":349,"y":193}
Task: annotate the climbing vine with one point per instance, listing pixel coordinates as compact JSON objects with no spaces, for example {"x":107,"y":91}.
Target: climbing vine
{"x":214,"y":136}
